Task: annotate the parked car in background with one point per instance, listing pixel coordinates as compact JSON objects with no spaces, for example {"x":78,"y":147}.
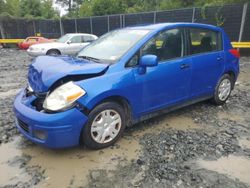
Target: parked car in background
{"x":31,"y":41}
{"x":68,"y":44}
{"x":125,"y":76}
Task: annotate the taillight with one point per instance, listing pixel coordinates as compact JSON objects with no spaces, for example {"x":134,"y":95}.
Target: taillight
{"x":235,"y":53}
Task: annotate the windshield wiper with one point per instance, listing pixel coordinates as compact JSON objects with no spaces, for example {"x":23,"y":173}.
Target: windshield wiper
{"x":90,"y":58}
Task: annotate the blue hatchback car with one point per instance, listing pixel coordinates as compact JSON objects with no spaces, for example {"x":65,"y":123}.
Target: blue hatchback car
{"x":125,"y":76}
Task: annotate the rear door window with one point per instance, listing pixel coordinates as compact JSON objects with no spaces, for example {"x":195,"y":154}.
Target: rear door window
{"x":166,"y":45}
{"x":204,"y":40}
{"x":76,"y":39}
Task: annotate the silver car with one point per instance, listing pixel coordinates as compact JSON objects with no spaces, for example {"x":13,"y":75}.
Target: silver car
{"x":68,"y":44}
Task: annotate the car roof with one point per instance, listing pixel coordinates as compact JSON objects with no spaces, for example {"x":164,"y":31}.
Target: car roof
{"x":76,"y":34}
{"x":161,"y":26}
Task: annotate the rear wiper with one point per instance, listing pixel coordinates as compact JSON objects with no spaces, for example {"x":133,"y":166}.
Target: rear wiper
{"x":90,"y":58}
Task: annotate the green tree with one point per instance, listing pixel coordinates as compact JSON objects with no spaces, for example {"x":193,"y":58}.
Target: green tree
{"x":105,"y":7}
{"x":47,"y":9}
{"x":83,"y":8}
{"x":13,"y":7}
{"x":132,"y":6}
{"x":169,"y":4}
{"x":2,"y":6}
{"x":31,"y":8}
{"x":86,"y":9}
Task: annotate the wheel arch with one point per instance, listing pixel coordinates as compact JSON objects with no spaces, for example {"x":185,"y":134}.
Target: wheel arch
{"x":121,"y":101}
{"x":53,"y":49}
{"x":232,"y":75}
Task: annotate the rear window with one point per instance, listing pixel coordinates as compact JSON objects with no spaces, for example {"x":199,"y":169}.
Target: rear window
{"x":204,"y":40}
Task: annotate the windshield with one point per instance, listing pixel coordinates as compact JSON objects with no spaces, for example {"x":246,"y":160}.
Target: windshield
{"x":113,"y":45}
{"x":64,"y":38}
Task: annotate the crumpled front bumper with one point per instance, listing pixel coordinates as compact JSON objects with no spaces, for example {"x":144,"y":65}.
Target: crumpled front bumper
{"x":62,"y":129}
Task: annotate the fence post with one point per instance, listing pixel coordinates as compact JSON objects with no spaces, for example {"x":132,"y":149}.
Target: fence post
{"x":34,"y":27}
{"x":193,"y":15}
{"x":61,"y":29}
{"x":120,"y":21}
{"x":91,"y":27}
{"x":243,"y":19}
{"x":124,"y":24}
{"x":154,"y":16}
{"x":76,"y":25}
{"x":108,"y":22}
{"x":2,"y":33}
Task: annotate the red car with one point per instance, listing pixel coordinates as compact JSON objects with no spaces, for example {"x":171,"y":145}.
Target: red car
{"x":32,"y":40}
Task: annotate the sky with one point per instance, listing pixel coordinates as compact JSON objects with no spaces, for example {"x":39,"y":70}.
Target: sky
{"x":57,"y":6}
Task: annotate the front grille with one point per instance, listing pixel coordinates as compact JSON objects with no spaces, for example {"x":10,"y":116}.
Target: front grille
{"x":23,"y":125}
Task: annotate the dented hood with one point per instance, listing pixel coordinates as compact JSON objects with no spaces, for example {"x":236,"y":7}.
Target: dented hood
{"x":47,"y":70}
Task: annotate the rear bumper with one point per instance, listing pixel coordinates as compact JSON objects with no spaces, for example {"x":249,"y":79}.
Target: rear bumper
{"x":61,"y":129}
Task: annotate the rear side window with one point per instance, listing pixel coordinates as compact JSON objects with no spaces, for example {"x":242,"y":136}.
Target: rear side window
{"x":204,"y":40}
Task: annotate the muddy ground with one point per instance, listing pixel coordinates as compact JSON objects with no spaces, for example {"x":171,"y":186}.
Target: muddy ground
{"x":198,"y":146}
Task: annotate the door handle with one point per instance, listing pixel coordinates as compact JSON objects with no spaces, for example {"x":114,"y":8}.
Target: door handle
{"x":219,"y":58}
{"x":184,"y":66}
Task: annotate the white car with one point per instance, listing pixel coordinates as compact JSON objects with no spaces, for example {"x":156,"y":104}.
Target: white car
{"x":68,"y":44}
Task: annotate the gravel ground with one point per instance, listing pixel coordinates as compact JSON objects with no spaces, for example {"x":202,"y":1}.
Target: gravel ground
{"x":13,"y":67}
{"x":167,"y":158}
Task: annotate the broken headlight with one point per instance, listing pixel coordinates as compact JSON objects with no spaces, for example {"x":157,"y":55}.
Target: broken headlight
{"x":63,"y":97}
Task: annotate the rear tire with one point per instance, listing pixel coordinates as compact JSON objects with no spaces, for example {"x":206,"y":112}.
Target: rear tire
{"x":53,"y":52}
{"x":105,"y":125}
{"x":223,"y":89}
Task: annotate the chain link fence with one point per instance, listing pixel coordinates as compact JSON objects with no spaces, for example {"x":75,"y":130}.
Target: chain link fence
{"x":235,"y":19}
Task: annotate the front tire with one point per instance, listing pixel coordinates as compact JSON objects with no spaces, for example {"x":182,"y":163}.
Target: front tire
{"x":105,"y":125}
{"x":54,"y":52}
{"x":223,"y":89}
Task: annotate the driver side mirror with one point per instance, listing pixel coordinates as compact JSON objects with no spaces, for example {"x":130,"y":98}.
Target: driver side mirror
{"x":147,"y":61}
{"x":69,"y":42}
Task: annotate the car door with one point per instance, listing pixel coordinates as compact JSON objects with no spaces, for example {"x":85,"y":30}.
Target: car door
{"x":205,"y":47}
{"x":75,"y":45}
{"x":169,"y":82}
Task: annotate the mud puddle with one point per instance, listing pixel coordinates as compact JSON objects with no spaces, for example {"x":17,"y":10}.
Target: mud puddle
{"x":71,"y":167}
{"x":62,"y":167}
{"x":10,"y":173}
{"x":236,"y":167}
